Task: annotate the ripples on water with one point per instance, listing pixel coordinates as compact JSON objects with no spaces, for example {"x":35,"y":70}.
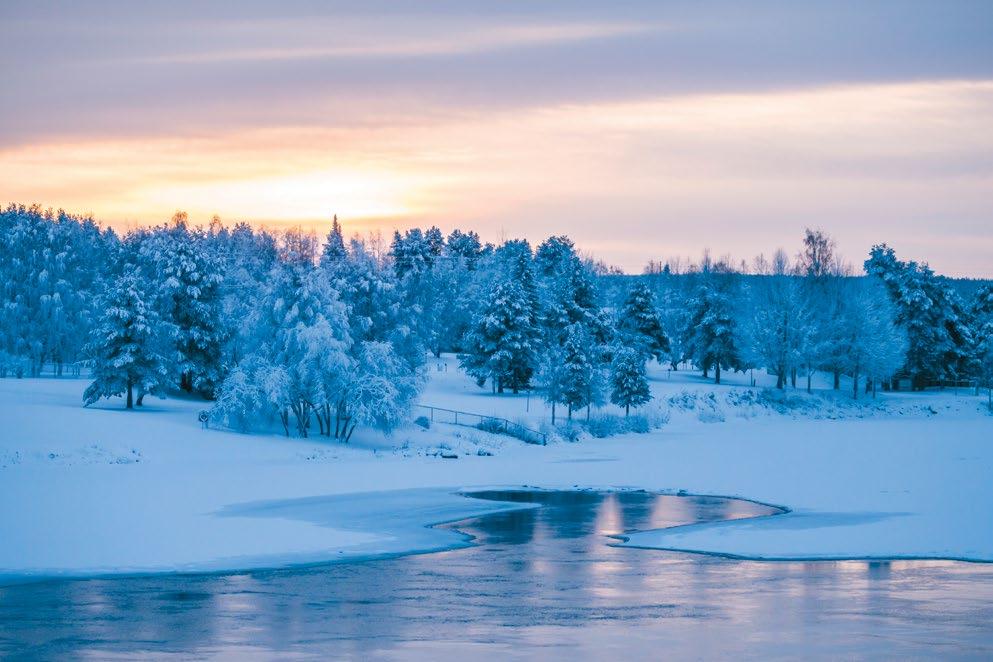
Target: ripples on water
{"x":540,"y":583}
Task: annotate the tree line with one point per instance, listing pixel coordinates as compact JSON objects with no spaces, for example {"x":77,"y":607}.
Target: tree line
{"x":319,"y":336}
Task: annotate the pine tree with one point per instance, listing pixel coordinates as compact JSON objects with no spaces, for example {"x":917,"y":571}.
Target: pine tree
{"x":712,"y":334}
{"x":941,"y":344}
{"x":502,"y":346}
{"x":127,"y":344}
{"x":192,"y":281}
{"x":580,"y":381}
{"x":639,"y":323}
{"x":628,"y":381}
{"x":334,"y":253}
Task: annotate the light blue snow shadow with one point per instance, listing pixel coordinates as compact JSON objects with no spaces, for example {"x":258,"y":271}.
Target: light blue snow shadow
{"x":794,"y":536}
{"x":404,"y":519}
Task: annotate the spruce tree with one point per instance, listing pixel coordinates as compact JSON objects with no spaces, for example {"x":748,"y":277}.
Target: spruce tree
{"x":579,"y":379}
{"x":334,"y":253}
{"x":628,"y":381}
{"x":127,"y":344}
{"x":941,"y":343}
{"x":639,"y":324}
{"x":502,"y":346}
{"x":712,"y":334}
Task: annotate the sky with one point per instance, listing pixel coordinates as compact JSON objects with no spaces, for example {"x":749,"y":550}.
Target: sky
{"x":643,"y":130}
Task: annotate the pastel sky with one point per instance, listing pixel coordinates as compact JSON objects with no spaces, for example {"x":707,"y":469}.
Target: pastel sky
{"x":641,"y":129}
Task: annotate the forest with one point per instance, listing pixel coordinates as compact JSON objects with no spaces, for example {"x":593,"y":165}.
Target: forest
{"x":319,"y":335}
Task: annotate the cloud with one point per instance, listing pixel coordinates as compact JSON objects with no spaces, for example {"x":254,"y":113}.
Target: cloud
{"x":452,"y":40}
{"x":631,"y":180}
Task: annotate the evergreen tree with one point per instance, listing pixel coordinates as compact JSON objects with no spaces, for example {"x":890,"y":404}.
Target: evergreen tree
{"x":551,"y":376}
{"x":465,"y":245}
{"x":127,"y":344}
{"x":628,"y":381}
{"x":941,"y":343}
{"x":984,"y":358}
{"x":712,"y":335}
{"x":334,"y":253}
{"x":639,"y":323}
{"x":581,"y":379}
{"x":502,"y":346}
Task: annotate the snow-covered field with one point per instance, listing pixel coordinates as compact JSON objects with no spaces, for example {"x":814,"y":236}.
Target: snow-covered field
{"x":103,"y":490}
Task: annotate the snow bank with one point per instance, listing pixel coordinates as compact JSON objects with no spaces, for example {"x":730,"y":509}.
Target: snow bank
{"x":103,"y":490}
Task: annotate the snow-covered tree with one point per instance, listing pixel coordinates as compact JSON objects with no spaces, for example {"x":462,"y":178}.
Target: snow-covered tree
{"x":582,"y":377}
{"x":502,"y":345}
{"x":940,"y":341}
{"x":628,"y":381}
{"x":190,"y":278}
{"x":778,"y":333}
{"x":984,"y":359}
{"x":52,"y":265}
{"x":711,"y":339}
{"x":311,"y":343}
{"x":639,"y":324}
{"x":381,"y":390}
{"x":128,"y":344}
{"x":874,"y":345}
{"x":465,"y":245}
{"x":334,"y":252}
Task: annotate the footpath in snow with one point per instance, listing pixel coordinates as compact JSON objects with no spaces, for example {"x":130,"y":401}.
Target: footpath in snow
{"x":102,"y":490}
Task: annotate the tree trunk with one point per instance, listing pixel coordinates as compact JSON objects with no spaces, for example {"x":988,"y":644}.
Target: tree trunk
{"x":780,"y":384}
{"x":130,"y":404}
{"x":837,"y":380}
{"x":553,"y":412}
{"x":793,"y":377}
{"x":855,"y":384}
{"x":717,"y":373}
{"x":141,"y":399}
{"x":627,"y":410}
{"x":570,"y":412}
{"x":320,"y":423}
{"x":808,"y":379}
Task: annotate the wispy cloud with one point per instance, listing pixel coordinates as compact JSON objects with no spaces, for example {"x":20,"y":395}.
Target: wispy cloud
{"x":454,"y":40}
{"x":633,"y":179}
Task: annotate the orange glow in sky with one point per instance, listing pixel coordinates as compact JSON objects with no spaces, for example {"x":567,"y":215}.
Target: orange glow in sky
{"x":642,"y":130}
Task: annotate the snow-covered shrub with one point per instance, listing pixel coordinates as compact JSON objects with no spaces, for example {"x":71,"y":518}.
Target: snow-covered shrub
{"x":608,"y":425}
{"x":423,"y":421}
{"x":491,"y":425}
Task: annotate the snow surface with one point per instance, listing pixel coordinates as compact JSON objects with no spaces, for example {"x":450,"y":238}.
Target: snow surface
{"x":103,"y":490}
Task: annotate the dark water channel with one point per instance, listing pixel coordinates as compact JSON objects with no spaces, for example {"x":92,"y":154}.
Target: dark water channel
{"x":541,"y":583}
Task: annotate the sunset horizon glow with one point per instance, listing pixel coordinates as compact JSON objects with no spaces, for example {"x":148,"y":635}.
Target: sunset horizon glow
{"x":623,"y":131}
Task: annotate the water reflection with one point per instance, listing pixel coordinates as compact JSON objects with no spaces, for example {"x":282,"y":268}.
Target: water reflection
{"x":543,"y":582}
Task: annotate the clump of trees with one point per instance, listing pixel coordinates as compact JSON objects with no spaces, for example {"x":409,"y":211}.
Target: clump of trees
{"x":317,"y":337}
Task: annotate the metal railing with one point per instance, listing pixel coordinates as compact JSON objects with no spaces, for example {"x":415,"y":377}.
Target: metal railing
{"x":486,"y":423}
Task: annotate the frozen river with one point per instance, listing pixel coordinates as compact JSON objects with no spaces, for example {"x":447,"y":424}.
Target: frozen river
{"x":543,"y":583}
